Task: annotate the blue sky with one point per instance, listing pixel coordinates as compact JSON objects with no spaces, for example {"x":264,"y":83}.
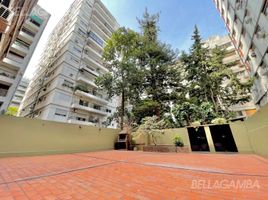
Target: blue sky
{"x":177,"y":18}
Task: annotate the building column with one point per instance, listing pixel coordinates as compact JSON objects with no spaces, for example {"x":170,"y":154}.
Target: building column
{"x":209,"y":139}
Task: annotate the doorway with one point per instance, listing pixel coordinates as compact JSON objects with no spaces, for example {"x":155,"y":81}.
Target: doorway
{"x":198,"y":139}
{"x":223,"y":138}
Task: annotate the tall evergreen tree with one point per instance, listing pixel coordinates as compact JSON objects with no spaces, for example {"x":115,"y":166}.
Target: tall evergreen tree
{"x":205,"y":74}
{"x":158,"y":63}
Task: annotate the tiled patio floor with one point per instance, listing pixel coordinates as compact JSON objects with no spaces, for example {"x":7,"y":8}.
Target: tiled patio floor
{"x":134,"y":175}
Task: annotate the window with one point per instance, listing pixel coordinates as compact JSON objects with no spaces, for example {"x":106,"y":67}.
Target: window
{"x":27,"y":31}
{"x":81,"y":32}
{"x":97,"y":107}
{"x":265,"y":8}
{"x":60,"y":112}
{"x":243,"y":33}
{"x":96,"y":38}
{"x":36,"y":20}
{"x":83,"y":103}
{"x":81,"y":119}
{"x":22,"y":44}
{"x":74,"y":60}
{"x":77,"y":50}
{"x":68,"y":84}
{"x":235,"y":19}
{"x":108,"y":111}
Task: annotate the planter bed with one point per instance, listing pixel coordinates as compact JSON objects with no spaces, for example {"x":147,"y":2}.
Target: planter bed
{"x":165,"y":148}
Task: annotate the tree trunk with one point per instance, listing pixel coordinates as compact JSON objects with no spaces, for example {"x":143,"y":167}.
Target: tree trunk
{"x":122,"y":112}
{"x":214,"y":102}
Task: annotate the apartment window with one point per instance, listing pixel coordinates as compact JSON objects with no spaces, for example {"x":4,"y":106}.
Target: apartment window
{"x":81,"y":119}
{"x":243,"y":33}
{"x":60,"y":112}
{"x":235,"y":19}
{"x":96,"y":38}
{"x":234,"y":33}
{"x":83,"y":103}
{"x":27,"y":31}
{"x":68,"y":84}
{"x":260,"y":33}
{"x":13,"y":54}
{"x":3,"y":90}
{"x":22,"y":44}
{"x":108,"y":111}
{"x":36,"y":20}
{"x":77,"y":50}
{"x":74,"y":60}
{"x":265,"y":8}
{"x":97,"y":107}
{"x":83,"y":23}
{"x":81,"y":32}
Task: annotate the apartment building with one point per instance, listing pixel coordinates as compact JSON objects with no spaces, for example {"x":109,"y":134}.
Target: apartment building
{"x":13,"y":13}
{"x":20,"y":51}
{"x":63,"y":87}
{"x":20,"y":92}
{"x":247,"y":23}
{"x":233,"y":60}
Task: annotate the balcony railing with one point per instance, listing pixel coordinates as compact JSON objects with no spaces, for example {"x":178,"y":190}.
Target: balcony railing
{"x":6,"y":74}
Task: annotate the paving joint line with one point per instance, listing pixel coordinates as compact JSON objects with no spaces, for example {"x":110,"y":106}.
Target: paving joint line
{"x":56,"y":173}
{"x":160,"y":165}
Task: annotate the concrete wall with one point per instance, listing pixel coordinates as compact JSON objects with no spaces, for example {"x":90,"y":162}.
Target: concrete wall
{"x":23,"y":136}
{"x":257,"y":129}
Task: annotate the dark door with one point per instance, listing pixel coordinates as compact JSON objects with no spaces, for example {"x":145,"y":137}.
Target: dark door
{"x":223,"y":138}
{"x":198,"y":139}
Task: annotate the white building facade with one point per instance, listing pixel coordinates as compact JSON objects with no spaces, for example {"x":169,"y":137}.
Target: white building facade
{"x":232,"y":59}
{"x":63,"y":87}
{"x":247,"y":23}
{"x":20,"y":92}
{"x":15,"y":62}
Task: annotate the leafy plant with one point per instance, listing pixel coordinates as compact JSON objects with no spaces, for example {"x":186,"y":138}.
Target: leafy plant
{"x":219,"y":121}
{"x":178,"y":141}
{"x":152,"y":127}
{"x":12,"y":111}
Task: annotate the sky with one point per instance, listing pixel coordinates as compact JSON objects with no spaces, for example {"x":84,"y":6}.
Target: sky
{"x":177,"y":20}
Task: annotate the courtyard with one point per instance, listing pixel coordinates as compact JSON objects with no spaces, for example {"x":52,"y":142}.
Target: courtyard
{"x":134,"y":175}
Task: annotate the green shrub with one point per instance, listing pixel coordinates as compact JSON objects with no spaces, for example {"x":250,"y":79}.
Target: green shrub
{"x":178,"y":141}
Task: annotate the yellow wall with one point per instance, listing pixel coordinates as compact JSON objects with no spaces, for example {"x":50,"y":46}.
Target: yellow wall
{"x":22,"y":136}
{"x":257,"y":128}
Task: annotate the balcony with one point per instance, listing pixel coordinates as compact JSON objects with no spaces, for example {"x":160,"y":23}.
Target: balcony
{"x":230,"y":59}
{"x":108,"y":17}
{"x":6,"y":77}
{"x":5,"y":17}
{"x":91,"y":71}
{"x":91,"y":96}
{"x":95,"y":63}
{"x":25,"y":37}
{"x":29,"y":25}
{"x":11,"y":63}
{"x":100,"y":31}
{"x":19,"y":48}
{"x":89,"y":109}
{"x":87,"y":81}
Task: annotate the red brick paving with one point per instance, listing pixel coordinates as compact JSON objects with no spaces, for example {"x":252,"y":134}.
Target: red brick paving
{"x":132,"y":175}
